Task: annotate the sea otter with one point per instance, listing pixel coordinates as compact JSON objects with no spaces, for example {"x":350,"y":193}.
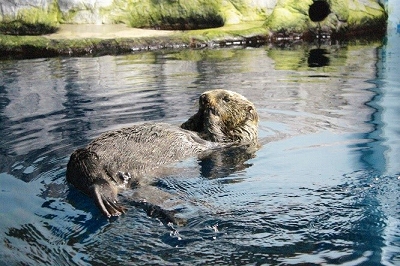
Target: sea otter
{"x":136,"y":154}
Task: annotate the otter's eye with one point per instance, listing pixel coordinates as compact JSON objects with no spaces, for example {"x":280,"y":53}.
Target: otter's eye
{"x":226,"y":99}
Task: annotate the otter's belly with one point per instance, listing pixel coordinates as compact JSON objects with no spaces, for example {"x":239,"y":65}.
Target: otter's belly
{"x":147,"y":146}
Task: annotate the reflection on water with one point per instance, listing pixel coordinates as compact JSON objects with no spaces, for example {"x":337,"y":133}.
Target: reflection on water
{"x":318,"y":58}
{"x":323,"y":188}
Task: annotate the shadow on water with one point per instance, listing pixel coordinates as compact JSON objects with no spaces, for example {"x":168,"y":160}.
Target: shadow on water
{"x":322,"y":189}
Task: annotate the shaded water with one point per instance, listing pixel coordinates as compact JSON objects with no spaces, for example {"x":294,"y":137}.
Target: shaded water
{"x":324,"y":187}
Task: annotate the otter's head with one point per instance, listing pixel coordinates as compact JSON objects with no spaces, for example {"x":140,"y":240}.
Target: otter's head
{"x":224,"y":116}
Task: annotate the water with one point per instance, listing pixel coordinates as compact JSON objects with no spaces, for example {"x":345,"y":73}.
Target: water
{"x":323,"y":188}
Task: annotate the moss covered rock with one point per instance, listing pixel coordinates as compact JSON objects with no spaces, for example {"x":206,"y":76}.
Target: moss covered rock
{"x":20,"y":27}
{"x":160,"y":14}
{"x":346,"y":15}
{"x":188,"y":14}
{"x":280,"y":15}
{"x":28,"y":19}
{"x":167,"y":14}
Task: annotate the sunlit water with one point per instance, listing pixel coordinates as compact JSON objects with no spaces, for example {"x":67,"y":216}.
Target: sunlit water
{"x":323,"y":188}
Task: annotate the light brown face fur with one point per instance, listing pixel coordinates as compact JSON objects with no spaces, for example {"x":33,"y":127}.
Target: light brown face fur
{"x":224,"y":116}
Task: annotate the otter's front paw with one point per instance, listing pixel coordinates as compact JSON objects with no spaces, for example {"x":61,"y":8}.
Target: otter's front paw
{"x":125,"y":177}
{"x":105,"y":197}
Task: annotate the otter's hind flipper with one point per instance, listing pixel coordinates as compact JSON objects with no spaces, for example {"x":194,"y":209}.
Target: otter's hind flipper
{"x":158,"y":204}
{"x":105,"y":197}
{"x":166,"y":216}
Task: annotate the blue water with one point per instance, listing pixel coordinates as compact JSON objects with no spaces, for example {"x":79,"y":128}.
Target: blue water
{"x":323,"y":188}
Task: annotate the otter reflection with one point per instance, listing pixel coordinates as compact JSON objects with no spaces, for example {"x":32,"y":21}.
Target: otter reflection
{"x":317,"y":58}
{"x":227,"y":161}
{"x":135,"y":157}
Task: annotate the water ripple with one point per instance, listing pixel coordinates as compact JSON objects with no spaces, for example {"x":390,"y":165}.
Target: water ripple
{"x":323,"y":188}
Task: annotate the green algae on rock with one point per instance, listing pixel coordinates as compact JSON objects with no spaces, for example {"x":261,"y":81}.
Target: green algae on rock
{"x":125,"y":40}
{"x":279,"y":15}
{"x":31,"y":20}
{"x":159,"y":14}
{"x":178,"y":15}
{"x":185,"y":15}
{"x":20,"y":27}
{"x":346,"y":16}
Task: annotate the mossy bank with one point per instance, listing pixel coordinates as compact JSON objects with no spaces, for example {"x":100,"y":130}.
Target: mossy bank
{"x":119,"y":39}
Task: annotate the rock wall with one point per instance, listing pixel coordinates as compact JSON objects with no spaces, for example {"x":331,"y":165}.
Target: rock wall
{"x":127,"y":11}
{"x":286,"y":15}
{"x":292,"y":15}
{"x":57,"y":11}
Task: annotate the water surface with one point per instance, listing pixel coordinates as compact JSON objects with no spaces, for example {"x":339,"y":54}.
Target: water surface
{"x":323,"y":188}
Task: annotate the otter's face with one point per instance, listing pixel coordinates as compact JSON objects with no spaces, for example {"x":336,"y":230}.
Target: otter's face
{"x":226,"y":116}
